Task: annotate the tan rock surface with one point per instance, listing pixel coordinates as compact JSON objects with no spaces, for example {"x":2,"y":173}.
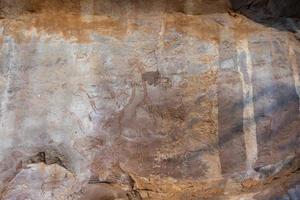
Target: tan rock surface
{"x":145,"y":100}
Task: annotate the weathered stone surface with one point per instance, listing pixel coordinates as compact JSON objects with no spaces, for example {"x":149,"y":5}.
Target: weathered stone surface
{"x":145,"y":100}
{"x":275,"y":8}
{"x":40,"y":181}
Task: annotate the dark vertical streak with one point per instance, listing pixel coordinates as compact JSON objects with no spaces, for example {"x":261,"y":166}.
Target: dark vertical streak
{"x":276,"y":102}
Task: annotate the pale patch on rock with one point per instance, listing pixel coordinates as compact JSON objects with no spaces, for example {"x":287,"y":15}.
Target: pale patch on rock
{"x":249,"y":124}
{"x":295,"y":65}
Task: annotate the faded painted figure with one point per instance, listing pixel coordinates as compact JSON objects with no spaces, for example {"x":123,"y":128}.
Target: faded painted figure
{"x":146,"y":100}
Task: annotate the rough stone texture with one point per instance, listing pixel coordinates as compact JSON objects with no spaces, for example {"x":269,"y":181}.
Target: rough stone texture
{"x":275,"y":8}
{"x":146,"y":100}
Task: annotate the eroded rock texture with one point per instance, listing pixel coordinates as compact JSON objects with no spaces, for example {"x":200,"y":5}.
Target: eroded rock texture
{"x":153,"y":99}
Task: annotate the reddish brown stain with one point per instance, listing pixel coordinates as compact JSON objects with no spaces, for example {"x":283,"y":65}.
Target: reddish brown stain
{"x":69,"y":26}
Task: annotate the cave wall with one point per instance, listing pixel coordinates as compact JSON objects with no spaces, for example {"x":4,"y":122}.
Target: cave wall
{"x":275,"y":8}
{"x":145,"y":100}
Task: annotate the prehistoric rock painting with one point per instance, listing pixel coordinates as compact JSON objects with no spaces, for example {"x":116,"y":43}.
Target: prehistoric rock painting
{"x":149,"y":99}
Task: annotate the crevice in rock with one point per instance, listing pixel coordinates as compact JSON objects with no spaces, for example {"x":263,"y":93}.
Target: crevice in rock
{"x":290,"y":164}
{"x":280,"y":177}
{"x":48,"y":159}
{"x":283,"y":15}
{"x":134,"y":194}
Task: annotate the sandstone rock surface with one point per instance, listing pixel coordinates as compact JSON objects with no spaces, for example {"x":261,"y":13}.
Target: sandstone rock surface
{"x":164,"y":100}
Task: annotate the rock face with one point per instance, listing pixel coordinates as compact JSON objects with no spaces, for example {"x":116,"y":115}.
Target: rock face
{"x":157,"y":99}
{"x":275,"y":8}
